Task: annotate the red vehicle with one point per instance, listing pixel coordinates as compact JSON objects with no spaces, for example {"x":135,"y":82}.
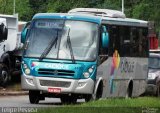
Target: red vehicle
{"x":153,"y":41}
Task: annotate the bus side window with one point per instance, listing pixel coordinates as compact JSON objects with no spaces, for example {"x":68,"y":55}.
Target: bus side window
{"x":139,"y":42}
{"x":143,"y":42}
{"x":114,"y":43}
{"x":134,"y":41}
{"x":103,"y":52}
{"x":125,"y":41}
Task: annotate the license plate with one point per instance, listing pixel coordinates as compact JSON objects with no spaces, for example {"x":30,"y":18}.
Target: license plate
{"x":54,"y":90}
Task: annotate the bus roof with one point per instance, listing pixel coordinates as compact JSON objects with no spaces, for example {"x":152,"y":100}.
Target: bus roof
{"x":92,"y":18}
{"x":84,"y":17}
{"x":124,"y":22}
{"x":109,"y":16}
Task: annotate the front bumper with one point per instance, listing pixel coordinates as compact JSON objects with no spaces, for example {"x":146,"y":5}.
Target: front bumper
{"x":151,"y":86}
{"x":82,"y":86}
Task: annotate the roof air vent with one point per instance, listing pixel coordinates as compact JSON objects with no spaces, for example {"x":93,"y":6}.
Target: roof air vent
{"x":99,"y":12}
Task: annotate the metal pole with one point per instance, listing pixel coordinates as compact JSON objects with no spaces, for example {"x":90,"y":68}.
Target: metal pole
{"x":122,"y":6}
{"x":14,"y":7}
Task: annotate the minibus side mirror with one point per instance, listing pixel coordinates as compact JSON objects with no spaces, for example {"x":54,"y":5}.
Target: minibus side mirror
{"x":105,"y":37}
{"x":3,"y":32}
{"x":24,"y":32}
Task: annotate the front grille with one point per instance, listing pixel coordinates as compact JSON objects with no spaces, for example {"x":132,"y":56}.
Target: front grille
{"x":55,"y":83}
{"x":56,"y":72}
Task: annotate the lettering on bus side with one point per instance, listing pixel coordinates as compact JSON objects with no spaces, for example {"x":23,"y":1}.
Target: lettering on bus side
{"x":127,"y":66}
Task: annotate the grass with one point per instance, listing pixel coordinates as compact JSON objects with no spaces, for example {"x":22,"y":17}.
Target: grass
{"x":134,"y":102}
{"x":90,"y":110}
{"x":134,"y":105}
{"x":14,"y":87}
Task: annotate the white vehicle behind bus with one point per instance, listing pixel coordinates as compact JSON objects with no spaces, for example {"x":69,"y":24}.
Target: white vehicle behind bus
{"x":10,"y":43}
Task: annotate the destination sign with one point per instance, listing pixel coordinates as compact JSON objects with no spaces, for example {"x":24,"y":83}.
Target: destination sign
{"x":57,"y":24}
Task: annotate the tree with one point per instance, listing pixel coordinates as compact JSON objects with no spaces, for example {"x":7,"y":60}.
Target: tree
{"x":23,"y":10}
{"x":140,"y":9}
{"x":63,"y":6}
{"x":6,"y":6}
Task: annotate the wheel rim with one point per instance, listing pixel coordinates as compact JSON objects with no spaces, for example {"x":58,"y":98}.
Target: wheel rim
{"x":4,"y":75}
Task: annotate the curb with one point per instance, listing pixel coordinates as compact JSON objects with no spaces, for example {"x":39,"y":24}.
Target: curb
{"x":13,"y":93}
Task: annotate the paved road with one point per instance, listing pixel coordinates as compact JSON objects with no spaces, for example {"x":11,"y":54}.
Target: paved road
{"x":23,"y":101}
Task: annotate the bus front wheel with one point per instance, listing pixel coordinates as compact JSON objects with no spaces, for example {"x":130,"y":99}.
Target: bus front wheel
{"x":88,"y":97}
{"x":34,"y":96}
{"x":99,"y":91}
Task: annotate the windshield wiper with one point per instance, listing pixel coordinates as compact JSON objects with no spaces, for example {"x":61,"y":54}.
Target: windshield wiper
{"x":70,"y":46}
{"x":60,"y":39}
{"x":49,"y":47}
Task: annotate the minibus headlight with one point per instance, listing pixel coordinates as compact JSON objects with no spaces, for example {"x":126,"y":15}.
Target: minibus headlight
{"x":86,"y":74}
{"x":90,"y":70}
{"x":27,"y":71}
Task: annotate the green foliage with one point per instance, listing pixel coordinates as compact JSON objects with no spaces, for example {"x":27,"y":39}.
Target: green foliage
{"x":147,"y":10}
{"x":122,"y":102}
{"x":63,"y":5}
{"x":140,"y":9}
{"x":6,"y":6}
{"x":22,"y":8}
{"x":112,"y":105}
{"x":92,"y":110}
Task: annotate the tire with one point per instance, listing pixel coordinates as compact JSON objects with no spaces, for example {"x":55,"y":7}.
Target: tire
{"x":129,"y":90}
{"x":128,"y":93}
{"x":34,"y":96}
{"x":66,"y":99}
{"x":88,"y":97}
{"x":158,"y":89}
{"x":4,"y":75}
{"x":99,"y":91}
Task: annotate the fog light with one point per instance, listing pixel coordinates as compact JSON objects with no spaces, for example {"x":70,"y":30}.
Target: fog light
{"x":90,"y":70}
{"x":30,"y":81}
{"x":27,"y":71}
{"x":81,"y":84}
